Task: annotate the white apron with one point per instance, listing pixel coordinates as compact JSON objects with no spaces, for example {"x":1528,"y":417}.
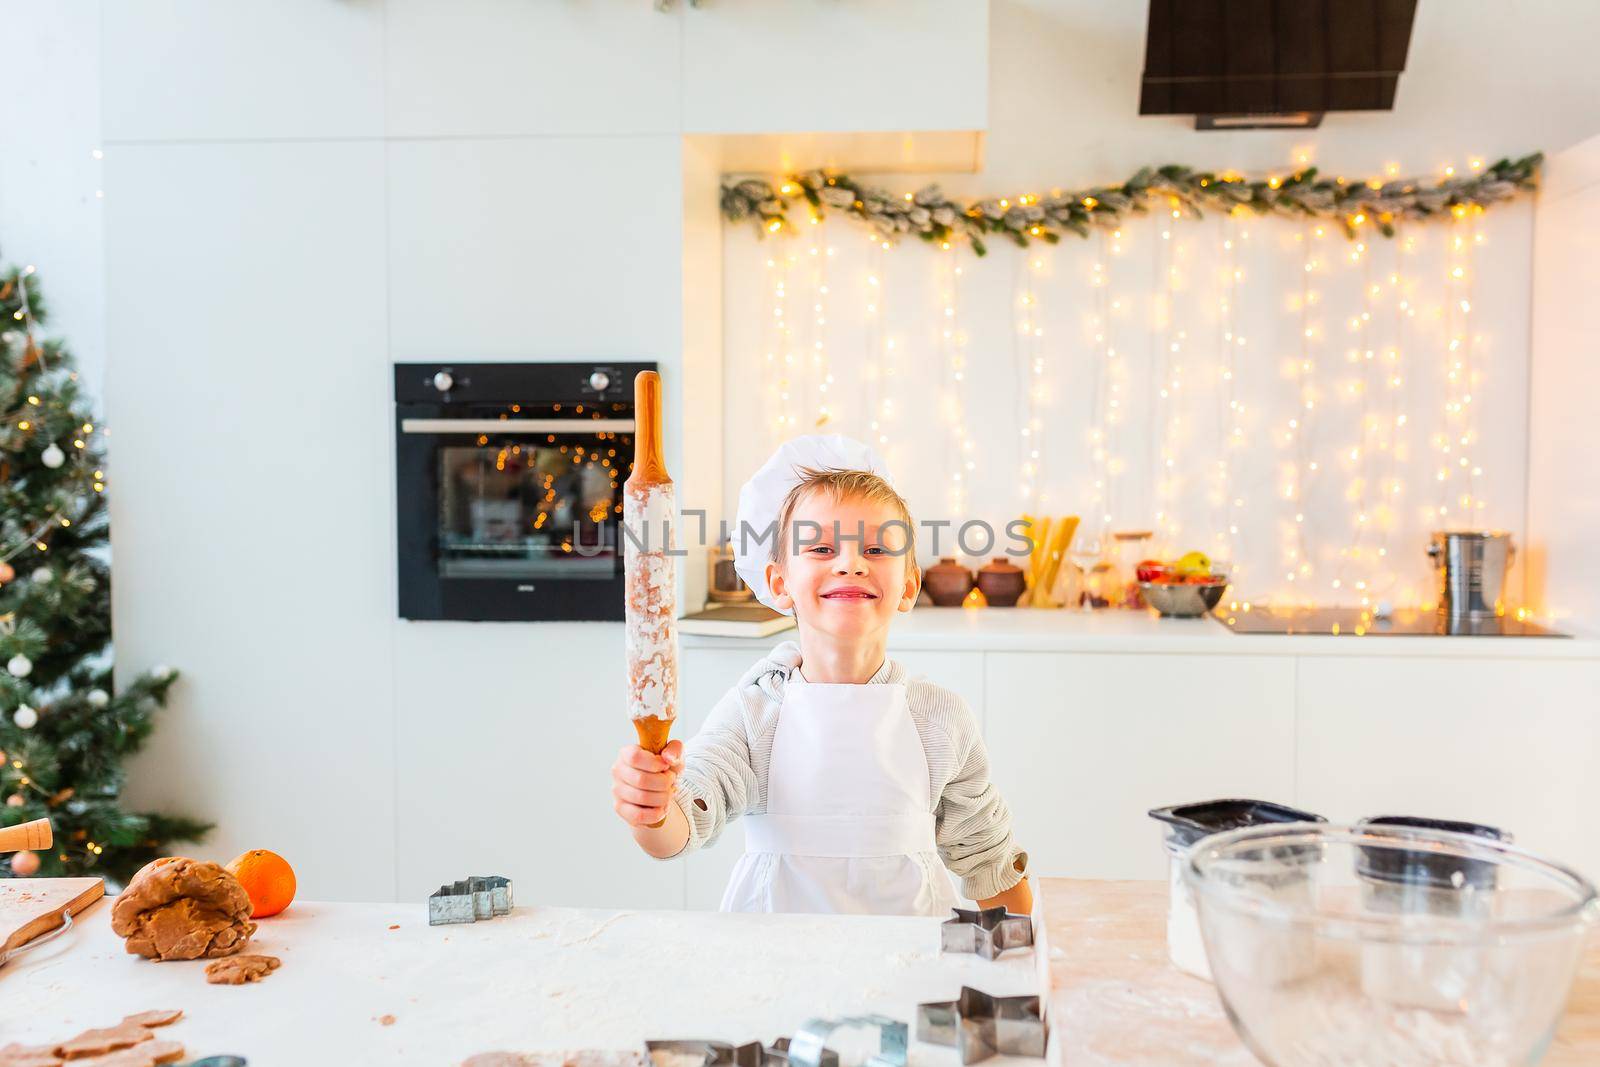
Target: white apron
{"x":849,"y":826}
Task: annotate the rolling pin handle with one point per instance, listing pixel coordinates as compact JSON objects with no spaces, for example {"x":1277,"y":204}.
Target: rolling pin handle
{"x":34,"y":836}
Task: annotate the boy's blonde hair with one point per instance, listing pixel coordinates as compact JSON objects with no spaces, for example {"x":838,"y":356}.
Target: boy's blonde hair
{"x":843,"y":484}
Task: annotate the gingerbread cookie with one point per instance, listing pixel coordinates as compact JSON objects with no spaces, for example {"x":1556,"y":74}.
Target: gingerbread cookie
{"x":237,"y":970}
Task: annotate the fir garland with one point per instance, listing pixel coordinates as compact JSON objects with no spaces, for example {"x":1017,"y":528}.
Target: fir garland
{"x":1377,"y":204}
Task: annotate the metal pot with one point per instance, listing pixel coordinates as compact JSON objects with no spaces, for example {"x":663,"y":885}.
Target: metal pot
{"x":1472,"y":567}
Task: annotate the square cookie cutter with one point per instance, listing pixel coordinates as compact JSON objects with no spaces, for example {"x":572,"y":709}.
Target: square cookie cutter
{"x":473,"y":898}
{"x":988,"y":932}
{"x":979,"y":1025}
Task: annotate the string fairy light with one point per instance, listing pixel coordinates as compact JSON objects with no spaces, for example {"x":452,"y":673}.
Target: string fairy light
{"x":959,"y":447}
{"x":1029,"y":371}
{"x":818,"y":369}
{"x":1164,"y":428}
{"x":1108,"y":376}
{"x":1231,"y":421}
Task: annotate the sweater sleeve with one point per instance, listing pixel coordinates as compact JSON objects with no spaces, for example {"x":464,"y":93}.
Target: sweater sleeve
{"x":973,"y":823}
{"x":718,"y":781}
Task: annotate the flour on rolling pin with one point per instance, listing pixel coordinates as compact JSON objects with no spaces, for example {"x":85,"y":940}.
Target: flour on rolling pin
{"x":650,"y":572}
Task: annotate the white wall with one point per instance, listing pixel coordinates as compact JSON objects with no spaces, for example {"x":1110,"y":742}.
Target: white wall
{"x":49,"y":172}
{"x":1563,"y":480}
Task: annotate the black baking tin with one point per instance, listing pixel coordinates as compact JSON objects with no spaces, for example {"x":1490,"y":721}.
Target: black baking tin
{"x":1188,"y":823}
{"x":1405,"y":867}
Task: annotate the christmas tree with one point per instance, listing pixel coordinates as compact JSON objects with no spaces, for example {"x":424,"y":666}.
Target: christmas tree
{"x":64,"y":728}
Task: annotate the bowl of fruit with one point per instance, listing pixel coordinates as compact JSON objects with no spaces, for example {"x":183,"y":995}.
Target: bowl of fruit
{"x":1186,"y":588}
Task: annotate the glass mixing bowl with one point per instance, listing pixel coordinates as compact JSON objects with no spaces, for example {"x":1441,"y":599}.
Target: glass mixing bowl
{"x":1388,"y":946}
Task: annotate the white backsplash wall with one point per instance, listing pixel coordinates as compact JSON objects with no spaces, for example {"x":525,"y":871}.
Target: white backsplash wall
{"x":943,"y":359}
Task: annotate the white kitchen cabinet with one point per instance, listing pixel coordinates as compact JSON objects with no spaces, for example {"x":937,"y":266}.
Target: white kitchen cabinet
{"x":489,"y":68}
{"x":1083,"y":745}
{"x":836,"y":67}
{"x":1498,"y":741}
{"x":186,"y":70}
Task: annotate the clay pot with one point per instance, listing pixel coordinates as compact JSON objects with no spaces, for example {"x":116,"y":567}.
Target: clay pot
{"x":1001,"y":582}
{"x":947,"y":582}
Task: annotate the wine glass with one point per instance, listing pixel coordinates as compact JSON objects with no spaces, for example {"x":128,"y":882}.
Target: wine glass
{"x":1084,"y":553}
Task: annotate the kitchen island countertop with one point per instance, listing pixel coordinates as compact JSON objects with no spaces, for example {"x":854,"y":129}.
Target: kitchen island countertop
{"x":538,"y":979}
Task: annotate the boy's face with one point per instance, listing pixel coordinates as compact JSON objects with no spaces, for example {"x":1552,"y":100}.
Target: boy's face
{"x":846,"y":566}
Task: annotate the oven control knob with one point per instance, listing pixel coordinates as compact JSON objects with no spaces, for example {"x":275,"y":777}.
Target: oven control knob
{"x":443,"y":381}
{"x":599,"y":380}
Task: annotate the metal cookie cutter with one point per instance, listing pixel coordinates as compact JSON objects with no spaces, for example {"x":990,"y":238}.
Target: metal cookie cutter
{"x":988,"y":932}
{"x":981,"y":1026}
{"x":722,"y":1054}
{"x":807,"y":1047}
{"x":477,"y":897}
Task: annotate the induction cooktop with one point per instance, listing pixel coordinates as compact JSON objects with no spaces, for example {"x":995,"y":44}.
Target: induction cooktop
{"x":1353,"y":622}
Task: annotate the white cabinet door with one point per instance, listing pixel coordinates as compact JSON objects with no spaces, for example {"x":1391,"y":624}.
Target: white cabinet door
{"x":961,"y":672}
{"x":779,"y":66}
{"x":704,"y":676}
{"x":1082,"y":746}
{"x":1511,"y":743}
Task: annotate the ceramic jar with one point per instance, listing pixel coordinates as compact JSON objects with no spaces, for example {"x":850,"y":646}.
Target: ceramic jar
{"x":947,"y":582}
{"x":1001,"y":582}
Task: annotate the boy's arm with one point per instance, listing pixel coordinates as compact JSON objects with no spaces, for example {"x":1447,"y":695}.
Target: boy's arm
{"x":973,"y":827}
{"x":713,"y":783}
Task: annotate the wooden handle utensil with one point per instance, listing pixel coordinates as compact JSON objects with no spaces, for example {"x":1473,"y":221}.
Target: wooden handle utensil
{"x":33,"y":836}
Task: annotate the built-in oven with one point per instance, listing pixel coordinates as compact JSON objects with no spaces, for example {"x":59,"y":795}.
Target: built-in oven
{"x":509,"y":488}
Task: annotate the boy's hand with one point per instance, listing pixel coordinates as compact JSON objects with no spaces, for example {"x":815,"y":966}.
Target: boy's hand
{"x":641,"y":783}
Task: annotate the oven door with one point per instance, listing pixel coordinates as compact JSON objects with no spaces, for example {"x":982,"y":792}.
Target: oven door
{"x":511,"y":518}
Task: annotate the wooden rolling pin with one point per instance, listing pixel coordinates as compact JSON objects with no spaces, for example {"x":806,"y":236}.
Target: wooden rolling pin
{"x":33,"y":836}
{"x":649,"y":512}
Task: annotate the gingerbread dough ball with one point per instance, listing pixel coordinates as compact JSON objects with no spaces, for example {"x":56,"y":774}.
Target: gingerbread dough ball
{"x":183,"y":910}
{"x":237,"y":970}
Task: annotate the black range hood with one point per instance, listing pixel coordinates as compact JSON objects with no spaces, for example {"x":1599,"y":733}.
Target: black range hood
{"x":1273,"y":63}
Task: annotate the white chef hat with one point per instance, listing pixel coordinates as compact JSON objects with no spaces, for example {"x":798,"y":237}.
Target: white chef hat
{"x":763,"y":495}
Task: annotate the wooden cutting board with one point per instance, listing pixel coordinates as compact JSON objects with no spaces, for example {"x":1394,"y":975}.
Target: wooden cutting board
{"x":33,"y":906}
{"x":1114,"y":999}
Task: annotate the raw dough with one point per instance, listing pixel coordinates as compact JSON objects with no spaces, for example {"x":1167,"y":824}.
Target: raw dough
{"x":99,"y":1042}
{"x":585,"y":1058}
{"x":183,"y":910}
{"x":149,"y":1054}
{"x":15,"y":1055}
{"x":237,"y":970}
{"x":127,"y":1044}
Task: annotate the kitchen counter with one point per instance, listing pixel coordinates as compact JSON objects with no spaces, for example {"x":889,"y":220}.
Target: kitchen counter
{"x":537,"y":979}
{"x":1116,"y":1001}
{"x":1035,"y":630}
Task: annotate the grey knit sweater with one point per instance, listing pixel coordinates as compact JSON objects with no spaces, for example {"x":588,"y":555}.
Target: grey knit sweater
{"x":725,"y":770}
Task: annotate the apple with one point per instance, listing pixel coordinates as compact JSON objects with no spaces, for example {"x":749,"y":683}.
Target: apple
{"x":1149,"y":570}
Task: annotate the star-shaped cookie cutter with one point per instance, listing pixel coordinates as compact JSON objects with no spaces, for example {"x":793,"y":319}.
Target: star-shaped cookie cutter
{"x":988,"y":932}
{"x":807,"y":1048}
{"x":750,"y":1054}
{"x":478,"y":897}
{"x":980,"y":1025}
